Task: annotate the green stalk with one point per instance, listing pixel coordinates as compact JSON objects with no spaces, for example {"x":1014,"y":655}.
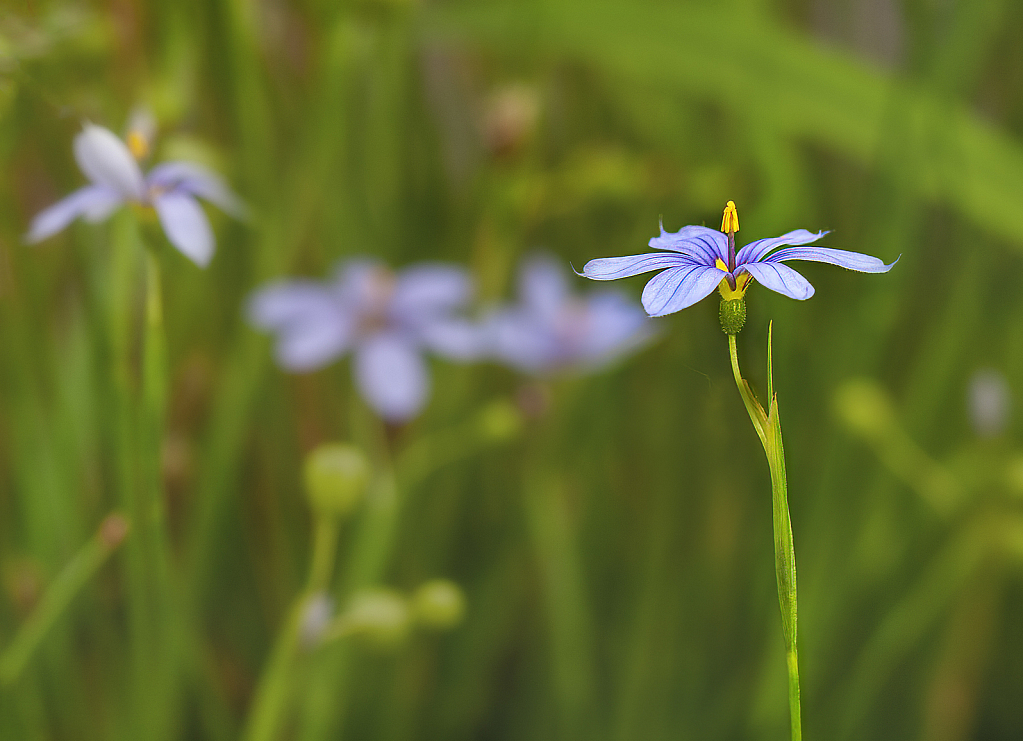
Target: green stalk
{"x":142,"y":694}
{"x":768,"y":427}
{"x":139,"y":400}
{"x":58,"y":596}
{"x":154,"y":411}
{"x":270,"y":706}
{"x":326,"y":701}
{"x":151,"y":513}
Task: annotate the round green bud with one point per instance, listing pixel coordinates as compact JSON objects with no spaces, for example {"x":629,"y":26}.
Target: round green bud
{"x":732,"y":313}
{"x":500,"y":420}
{"x":438,"y":604}
{"x":379,"y":615}
{"x":336,"y":477}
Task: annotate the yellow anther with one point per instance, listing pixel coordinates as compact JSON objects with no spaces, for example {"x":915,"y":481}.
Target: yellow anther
{"x":138,"y":145}
{"x":730,"y":219}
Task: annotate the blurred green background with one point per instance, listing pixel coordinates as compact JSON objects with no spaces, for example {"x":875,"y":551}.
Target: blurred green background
{"x":611,"y":532}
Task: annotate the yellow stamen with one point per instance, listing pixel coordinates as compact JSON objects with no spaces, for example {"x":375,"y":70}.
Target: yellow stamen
{"x":138,"y":145}
{"x":730,"y":219}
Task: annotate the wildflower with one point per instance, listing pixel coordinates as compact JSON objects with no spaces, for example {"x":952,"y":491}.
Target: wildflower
{"x":385,"y":320}
{"x":550,"y":329}
{"x":115,"y":178}
{"x":699,"y":259}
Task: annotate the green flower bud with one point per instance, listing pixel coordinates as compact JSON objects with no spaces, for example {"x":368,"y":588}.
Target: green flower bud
{"x":336,"y":477}
{"x":500,"y":420}
{"x":438,"y":604}
{"x":732,"y":313}
{"x":379,"y":615}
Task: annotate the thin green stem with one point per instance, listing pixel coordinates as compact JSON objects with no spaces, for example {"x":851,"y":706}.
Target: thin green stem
{"x":58,"y":596}
{"x":753,"y":408}
{"x":152,"y":521}
{"x":271,"y":699}
{"x":147,"y":690}
{"x":768,"y":427}
{"x":324,"y":550}
{"x":326,"y":702}
{"x":275,"y":686}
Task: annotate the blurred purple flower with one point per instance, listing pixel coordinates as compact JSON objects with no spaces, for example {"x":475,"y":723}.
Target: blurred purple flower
{"x":700,"y":259}
{"x":385,"y":319}
{"x":551,"y":330}
{"x":116,"y":178}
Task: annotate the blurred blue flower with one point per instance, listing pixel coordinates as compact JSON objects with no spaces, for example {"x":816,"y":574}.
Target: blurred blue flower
{"x":701,"y":259}
{"x":116,"y":178}
{"x":385,"y":319}
{"x":551,"y":330}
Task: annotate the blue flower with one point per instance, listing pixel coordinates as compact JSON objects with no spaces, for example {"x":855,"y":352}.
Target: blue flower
{"x":551,"y":330}
{"x":115,"y":178}
{"x":386,"y":320}
{"x":699,"y":259}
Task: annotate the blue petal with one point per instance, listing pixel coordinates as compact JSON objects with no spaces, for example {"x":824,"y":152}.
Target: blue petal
{"x":674,"y":290}
{"x":362,"y":283}
{"x":542,"y":286}
{"x":105,"y":160}
{"x":781,"y":278}
{"x":521,"y":340}
{"x":313,"y":328}
{"x":842,"y":258}
{"x":430,"y":288}
{"x":93,"y":202}
{"x":616,"y":325}
{"x":757,"y":251}
{"x":197,"y":180}
{"x":455,"y":338}
{"x":391,"y":376}
{"x":699,"y":242}
{"x":611,"y":268}
{"x":186,"y":226}
{"x":286,"y":302}
{"x":313,"y":344}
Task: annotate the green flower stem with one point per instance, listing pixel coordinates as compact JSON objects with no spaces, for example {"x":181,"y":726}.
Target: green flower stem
{"x":768,"y":427}
{"x":151,"y":510}
{"x":324,"y":551}
{"x":58,"y":596}
{"x":326,"y":701}
{"x":139,"y":401}
{"x":272,"y":698}
{"x":153,"y":522}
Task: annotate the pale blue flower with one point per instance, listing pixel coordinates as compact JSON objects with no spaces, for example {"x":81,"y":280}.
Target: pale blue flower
{"x":551,"y":330}
{"x":699,"y":259}
{"x":385,"y":320}
{"x":115,"y":178}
